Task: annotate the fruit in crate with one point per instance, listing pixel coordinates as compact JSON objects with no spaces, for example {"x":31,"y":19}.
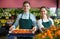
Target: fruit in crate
{"x":57,"y":33}
{"x":22,"y":31}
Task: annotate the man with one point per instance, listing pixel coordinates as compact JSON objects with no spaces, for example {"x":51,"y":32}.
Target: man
{"x":26,"y":20}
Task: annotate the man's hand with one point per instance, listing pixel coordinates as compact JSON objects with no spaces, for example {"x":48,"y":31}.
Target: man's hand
{"x":34,"y":29}
{"x":11,"y":28}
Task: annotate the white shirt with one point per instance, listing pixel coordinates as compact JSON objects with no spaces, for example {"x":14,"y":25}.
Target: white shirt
{"x":40,"y":25}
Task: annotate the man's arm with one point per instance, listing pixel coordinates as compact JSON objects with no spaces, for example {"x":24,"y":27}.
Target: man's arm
{"x":16,"y":23}
{"x":34,"y":24}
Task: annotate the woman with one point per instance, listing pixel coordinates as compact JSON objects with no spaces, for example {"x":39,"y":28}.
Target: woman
{"x":45,"y":21}
{"x":26,"y":20}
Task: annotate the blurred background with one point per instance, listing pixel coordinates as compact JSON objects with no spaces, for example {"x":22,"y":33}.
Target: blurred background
{"x":9,"y":9}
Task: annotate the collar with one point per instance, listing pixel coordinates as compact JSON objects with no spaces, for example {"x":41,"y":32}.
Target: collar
{"x":26,"y":13}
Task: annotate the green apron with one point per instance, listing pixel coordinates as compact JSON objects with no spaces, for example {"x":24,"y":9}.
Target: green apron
{"x":25,"y":24}
{"x":46,"y":24}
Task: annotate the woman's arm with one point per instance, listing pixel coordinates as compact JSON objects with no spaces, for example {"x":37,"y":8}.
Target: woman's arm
{"x":40,"y":26}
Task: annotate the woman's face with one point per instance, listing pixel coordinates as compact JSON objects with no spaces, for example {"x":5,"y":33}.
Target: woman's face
{"x":43,"y":11}
{"x":26,"y":7}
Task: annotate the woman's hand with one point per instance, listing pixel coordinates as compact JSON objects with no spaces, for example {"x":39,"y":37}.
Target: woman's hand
{"x":44,"y":29}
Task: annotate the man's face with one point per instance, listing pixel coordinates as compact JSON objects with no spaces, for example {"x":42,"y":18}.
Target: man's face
{"x":26,"y":7}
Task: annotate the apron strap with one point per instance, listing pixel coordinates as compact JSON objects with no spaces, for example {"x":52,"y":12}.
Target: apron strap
{"x":29,"y":16}
{"x":21,"y":16}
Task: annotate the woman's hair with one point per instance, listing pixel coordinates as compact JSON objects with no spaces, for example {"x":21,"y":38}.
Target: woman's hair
{"x":46,"y":10}
{"x":26,"y":2}
{"x":44,"y":7}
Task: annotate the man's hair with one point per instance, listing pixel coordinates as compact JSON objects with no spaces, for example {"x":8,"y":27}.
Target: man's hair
{"x":26,"y":2}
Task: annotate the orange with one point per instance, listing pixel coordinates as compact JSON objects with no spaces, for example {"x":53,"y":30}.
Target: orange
{"x":39,"y":35}
{"x":43,"y":36}
{"x":58,"y":32}
{"x":48,"y":31}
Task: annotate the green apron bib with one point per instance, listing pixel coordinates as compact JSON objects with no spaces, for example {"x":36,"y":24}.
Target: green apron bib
{"x":46,"y":24}
{"x":25,"y":24}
